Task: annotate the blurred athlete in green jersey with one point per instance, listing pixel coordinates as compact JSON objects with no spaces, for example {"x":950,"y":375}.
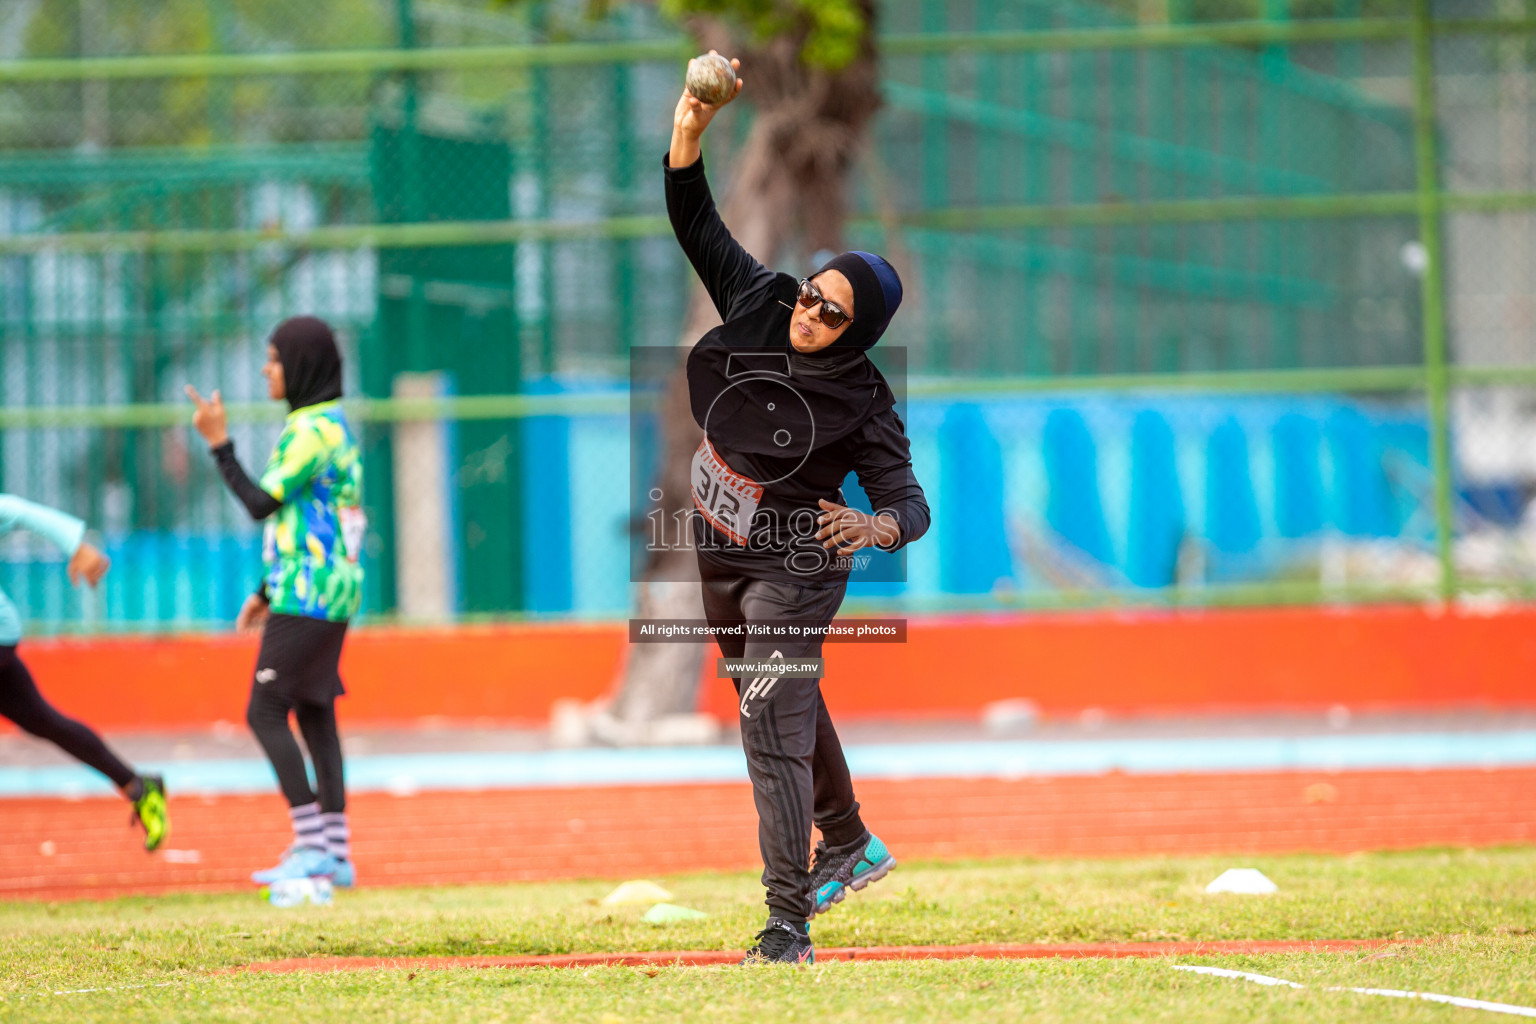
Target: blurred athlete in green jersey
{"x":310,"y":495}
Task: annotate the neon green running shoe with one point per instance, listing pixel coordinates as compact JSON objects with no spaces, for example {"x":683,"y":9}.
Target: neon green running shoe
{"x":150,"y":811}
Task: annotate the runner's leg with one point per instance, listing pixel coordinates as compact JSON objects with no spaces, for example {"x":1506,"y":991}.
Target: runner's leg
{"x":21,"y":702}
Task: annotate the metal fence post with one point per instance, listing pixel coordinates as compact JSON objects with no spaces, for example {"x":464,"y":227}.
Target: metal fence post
{"x":1426,"y":157}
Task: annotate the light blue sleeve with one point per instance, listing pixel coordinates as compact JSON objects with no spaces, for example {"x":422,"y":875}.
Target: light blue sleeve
{"x":62,"y":529}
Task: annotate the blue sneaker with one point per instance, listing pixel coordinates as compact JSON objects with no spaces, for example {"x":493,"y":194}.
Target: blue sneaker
{"x":345,"y":875}
{"x":838,"y":869}
{"x":298,"y":862}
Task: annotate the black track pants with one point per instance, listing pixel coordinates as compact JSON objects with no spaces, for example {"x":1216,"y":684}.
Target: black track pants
{"x":21,"y":702}
{"x":296,"y":672}
{"x":794,"y":759}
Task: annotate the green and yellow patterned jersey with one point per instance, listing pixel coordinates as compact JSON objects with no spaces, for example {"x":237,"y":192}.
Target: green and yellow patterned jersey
{"x":312,"y":543}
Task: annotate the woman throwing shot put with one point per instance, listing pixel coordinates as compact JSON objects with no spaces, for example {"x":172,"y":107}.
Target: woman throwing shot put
{"x":790,"y":405}
{"x":310,"y":494}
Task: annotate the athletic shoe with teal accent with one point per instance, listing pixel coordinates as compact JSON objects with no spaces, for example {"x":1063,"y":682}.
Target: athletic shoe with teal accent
{"x":298,"y":862}
{"x":150,"y":811}
{"x":837,"y":869}
{"x":781,"y":943}
{"x":345,"y":875}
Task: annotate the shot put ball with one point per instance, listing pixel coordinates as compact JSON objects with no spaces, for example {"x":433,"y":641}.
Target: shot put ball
{"x":711,"y":79}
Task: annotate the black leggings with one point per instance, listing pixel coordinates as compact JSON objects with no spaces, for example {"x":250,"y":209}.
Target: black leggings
{"x":21,"y":702}
{"x":268,"y":718}
{"x":296,"y":671}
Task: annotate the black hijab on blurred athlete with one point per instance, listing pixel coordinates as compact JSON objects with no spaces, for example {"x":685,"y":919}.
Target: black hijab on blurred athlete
{"x":306,"y":348}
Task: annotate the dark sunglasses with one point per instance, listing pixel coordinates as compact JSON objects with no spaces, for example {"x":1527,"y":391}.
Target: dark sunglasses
{"x":833,"y":316}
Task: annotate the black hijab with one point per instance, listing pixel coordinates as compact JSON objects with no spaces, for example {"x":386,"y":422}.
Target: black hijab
{"x":311,"y":361}
{"x":750,"y":389}
{"x":876,"y":296}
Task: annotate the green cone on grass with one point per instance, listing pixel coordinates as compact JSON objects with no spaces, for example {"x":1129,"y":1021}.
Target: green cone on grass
{"x":667,"y":913}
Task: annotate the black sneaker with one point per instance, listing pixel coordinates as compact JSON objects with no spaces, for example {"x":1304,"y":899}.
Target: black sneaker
{"x":837,"y":869}
{"x":781,"y":943}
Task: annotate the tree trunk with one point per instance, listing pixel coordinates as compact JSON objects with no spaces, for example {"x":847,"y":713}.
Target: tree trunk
{"x":792,"y":174}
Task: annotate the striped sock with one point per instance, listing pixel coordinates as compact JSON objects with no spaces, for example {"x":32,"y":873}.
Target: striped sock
{"x":307,"y":830}
{"x":338,"y":838}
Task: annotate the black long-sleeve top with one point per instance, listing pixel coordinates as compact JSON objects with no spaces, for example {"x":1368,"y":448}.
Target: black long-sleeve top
{"x":750,"y":299}
{"x":257,"y":502}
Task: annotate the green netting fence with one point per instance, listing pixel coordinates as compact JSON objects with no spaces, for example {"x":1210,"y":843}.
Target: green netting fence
{"x":1233,"y":299}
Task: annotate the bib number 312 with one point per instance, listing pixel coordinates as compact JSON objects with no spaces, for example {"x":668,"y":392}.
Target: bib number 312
{"x":727,"y":499}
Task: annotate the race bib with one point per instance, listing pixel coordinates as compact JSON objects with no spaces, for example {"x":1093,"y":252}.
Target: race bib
{"x":354,"y":527}
{"x":727,"y":499}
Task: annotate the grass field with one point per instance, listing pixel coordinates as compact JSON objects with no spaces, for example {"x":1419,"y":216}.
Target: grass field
{"x":1476,"y":911}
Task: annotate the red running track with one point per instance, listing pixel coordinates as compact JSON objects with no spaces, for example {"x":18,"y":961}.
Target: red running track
{"x":714,"y":957}
{"x":54,"y":849}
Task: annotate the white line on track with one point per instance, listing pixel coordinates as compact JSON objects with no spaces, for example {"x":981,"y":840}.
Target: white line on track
{"x":84,"y":991}
{"x":1222,"y":972}
{"x":1264,"y":979}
